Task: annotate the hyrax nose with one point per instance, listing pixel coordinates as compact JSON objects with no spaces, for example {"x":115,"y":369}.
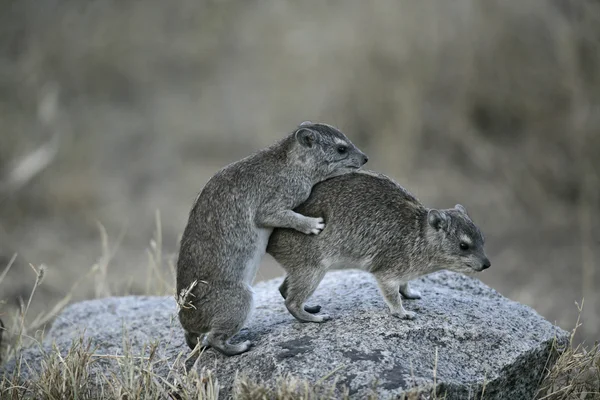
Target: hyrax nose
{"x":365,"y":159}
{"x":486,"y":263}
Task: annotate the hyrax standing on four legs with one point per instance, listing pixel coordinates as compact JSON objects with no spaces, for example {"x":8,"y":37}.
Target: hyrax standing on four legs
{"x":375,"y":225}
{"x":231,"y":221}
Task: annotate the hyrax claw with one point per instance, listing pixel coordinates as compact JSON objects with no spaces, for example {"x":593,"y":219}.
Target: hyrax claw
{"x":404,"y":314}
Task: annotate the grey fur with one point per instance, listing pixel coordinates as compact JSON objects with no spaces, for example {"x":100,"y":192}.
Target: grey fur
{"x":232,"y":219}
{"x":375,"y":225}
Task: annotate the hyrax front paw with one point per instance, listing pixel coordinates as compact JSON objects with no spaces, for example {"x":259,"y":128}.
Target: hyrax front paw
{"x":403,"y":314}
{"x":319,"y":225}
{"x":313,"y":226}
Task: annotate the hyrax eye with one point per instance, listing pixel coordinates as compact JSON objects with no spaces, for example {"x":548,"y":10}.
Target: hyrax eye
{"x":464,"y":246}
{"x":342,"y":149}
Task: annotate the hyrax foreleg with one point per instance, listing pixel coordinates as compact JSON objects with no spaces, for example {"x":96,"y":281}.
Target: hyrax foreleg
{"x":290,"y":219}
{"x":391,"y":295}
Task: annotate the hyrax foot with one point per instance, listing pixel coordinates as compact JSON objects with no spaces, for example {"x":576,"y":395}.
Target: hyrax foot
{"x":234,"y":349}
{"x":315,"y":226}
{"x":403,"y":314}
{"x":409,"y":293}
{"x":302,"y":315}
{"x":312,"y":309}
{"x":226,"y":348}
{"x":313,"y":318}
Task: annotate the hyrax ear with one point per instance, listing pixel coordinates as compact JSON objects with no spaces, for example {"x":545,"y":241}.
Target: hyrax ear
{"x":306,"y":137}
{"x":437,"y":219}
{"x":305,"y":123}
{"x":461,"y":209}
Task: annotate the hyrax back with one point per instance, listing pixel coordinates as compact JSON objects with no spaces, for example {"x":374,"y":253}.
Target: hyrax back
{"x":232,"y":219}
{"x":373,"y":224}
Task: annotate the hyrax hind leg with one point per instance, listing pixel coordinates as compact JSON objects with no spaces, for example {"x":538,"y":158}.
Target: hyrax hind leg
{"x":298,"y":286}
{"x":218,"y":317}
{"x":283,"y":289}
{"x":409,"y":293}
{"x":231,"y":311}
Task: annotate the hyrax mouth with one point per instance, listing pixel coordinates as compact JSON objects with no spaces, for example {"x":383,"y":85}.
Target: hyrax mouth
{"x":473,"y":268}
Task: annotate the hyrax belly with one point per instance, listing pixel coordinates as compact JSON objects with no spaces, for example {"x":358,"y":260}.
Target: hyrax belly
{"x":260,"y":248}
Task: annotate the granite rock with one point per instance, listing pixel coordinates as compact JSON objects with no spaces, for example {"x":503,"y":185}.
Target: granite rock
{"x":468,"y":332}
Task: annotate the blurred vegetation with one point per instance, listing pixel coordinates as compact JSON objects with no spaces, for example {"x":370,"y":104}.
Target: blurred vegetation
{"x":494,"y":104}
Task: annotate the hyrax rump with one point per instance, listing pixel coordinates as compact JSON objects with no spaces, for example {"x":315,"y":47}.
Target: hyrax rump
{"x":373,"y":224}
{"x":230,"y":223}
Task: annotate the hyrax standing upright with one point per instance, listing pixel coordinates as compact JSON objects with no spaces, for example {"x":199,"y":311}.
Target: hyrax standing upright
{"x":376,"y":225}
{"x":231,"y":221}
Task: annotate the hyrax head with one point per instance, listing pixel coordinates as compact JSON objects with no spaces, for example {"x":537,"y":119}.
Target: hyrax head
{"x":328,"y":149}
{"x":458,"y":242}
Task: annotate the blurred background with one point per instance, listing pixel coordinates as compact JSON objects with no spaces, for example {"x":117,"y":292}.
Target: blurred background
{"x":111,"y":110}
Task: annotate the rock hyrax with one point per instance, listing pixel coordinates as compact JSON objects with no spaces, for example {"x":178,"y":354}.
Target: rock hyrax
{"x":231,"y":221}
{"x":373,"y":224}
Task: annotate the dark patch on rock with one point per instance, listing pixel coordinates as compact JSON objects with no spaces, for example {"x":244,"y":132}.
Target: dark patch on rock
{"x":295,"y":347}
{"x":356,"y":355}
{"x":393,"y":378}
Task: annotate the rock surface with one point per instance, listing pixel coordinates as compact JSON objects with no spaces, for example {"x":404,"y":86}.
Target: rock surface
{"x":471,"y":333}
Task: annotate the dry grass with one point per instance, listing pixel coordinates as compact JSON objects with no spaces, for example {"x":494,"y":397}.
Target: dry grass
{"x":496,"y":100}
{"x":575,"y":375}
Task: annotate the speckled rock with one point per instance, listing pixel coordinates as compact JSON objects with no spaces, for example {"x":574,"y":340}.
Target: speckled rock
{"x":471,"y":334}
